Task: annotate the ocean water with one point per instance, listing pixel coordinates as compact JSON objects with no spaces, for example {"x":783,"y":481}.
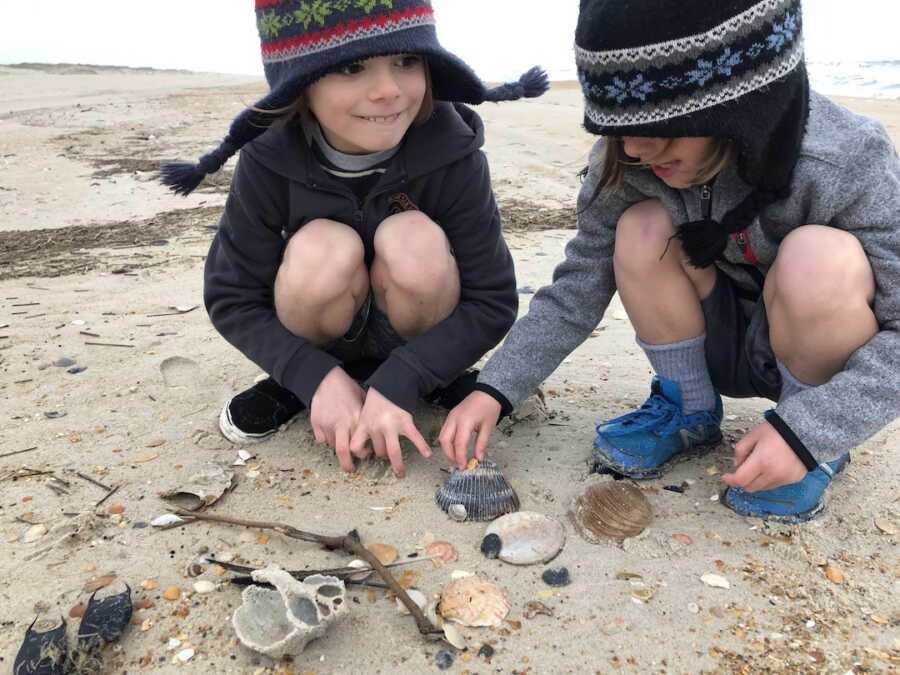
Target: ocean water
{"x":867,"y":79}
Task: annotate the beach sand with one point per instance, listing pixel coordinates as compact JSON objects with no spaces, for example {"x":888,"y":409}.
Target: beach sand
{"x":93,"y":250}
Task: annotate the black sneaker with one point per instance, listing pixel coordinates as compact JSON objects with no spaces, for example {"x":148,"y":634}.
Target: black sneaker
{"x":258,"y":412}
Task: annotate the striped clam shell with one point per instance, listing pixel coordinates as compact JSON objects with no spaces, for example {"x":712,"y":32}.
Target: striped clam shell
{"x":610,"y":511}
{"x":481,"y":489}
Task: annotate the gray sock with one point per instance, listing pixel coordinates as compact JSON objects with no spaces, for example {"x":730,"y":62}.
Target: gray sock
{"x":790,"y":385}
{"x":685,"y":363}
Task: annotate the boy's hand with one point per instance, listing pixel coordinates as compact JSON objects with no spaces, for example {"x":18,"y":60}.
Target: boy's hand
{"x":763,"y":461}
{"x":382,"y":423}
{"x":334,"y":413}
{"x":479,"y":413}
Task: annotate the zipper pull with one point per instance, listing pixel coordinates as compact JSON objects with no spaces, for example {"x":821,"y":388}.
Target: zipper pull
{"x":706,"y":201}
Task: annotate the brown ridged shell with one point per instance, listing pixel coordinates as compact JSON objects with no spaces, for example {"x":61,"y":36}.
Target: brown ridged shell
{"x":610,"y":511}
{"x":482,"y":489}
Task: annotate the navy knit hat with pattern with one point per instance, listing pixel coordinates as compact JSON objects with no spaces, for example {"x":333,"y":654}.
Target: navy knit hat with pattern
{"x":303,"y":40}
{"x":724,"y":68}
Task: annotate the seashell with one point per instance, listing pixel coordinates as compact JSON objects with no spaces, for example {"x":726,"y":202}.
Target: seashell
{"x":528,"y":538}
{"x":201,"y":489}
{"x":715,"y":581}
{"x":204,"y":587}
{"x":166,"y":520}
{"x":283,"y":621}
{"x":417,"y":597}
{"x":441,"y":553}
{"x":385,"y":553}
{"x":490,"y":546}
{"x":481,"y":489}
{"x":457,"y":512}
{"x":473,"y":601}
{"x":610,"y":511}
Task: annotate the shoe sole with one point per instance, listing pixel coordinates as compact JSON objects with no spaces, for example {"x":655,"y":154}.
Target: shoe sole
{"x":233,"y":434}
{"x":601,"y":463}
{"x":792,"y":519}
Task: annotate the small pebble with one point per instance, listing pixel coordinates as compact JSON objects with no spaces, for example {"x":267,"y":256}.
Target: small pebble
{"x":172,"y":593}
{"x":693,"y":608}
{"x":74,"y":370}
{"x":204,"y":587}
{"x":558,"y":576}
{"x":491,"y":545}
{"x":486,"y":651}
{"x":54,"y":414}
{"x":185,"y":655}
{"x":64,"y":363}
{"x":444,"y":659}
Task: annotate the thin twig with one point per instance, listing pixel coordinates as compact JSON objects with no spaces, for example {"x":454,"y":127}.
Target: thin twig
{"x":109,"y":494}
{"x":92,"y":481}
{"x":349,"y":543}
{"x":108,"y":344}
{"x":18,"y":452}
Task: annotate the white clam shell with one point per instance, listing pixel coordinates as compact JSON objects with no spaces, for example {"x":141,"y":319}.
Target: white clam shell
{"x":528,"y":538}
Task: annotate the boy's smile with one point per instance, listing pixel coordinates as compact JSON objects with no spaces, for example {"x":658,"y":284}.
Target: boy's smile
{"x":368,"y":106}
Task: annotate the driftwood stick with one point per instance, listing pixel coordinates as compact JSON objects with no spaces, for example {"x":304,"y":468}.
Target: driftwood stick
{"x":348,"y":542}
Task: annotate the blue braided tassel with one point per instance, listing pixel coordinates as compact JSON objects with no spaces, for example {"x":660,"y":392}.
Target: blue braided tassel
{"x":531,"y":85}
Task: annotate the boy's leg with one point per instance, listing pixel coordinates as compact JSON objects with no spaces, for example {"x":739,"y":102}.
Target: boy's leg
{"x":662,"y":295}
{"x":322,"y":281}
{"x":415,"y":280}
{"x":818,"y":296}
{"x":321,"y":284}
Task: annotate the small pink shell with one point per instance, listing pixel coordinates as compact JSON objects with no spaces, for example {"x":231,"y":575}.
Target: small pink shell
{"x":441,"y":553}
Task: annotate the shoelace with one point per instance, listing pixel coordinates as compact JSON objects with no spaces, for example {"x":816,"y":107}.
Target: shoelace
{"x":657,"y":413}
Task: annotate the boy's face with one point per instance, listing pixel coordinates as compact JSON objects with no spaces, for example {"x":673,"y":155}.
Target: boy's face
{"x":675,"y":161}
{"x":368,"y":106}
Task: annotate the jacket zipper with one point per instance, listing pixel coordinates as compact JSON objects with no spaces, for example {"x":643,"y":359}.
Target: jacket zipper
{"x":706,"y":201}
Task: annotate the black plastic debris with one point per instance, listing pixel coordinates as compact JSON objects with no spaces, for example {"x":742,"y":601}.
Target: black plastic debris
{"x":491,"y":545}
{"x":556,"y":576}
{"x":606,"y":471}
{"x":444,"y":659}
{"x":104,"y":620}
{"x":674,"y":488}
{"x":43,"y":653}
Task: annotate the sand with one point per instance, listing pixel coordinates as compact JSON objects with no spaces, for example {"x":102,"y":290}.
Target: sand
{"x":93,"y":250}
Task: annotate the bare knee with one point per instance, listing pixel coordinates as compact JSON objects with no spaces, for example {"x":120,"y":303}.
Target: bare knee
{"x":413,"y":251}
{"x":320,"y":261}
{"x":642,"y":234}
{"x":819,"y":271}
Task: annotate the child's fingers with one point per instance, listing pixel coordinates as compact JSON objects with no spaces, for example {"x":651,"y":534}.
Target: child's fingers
{"x":481,"y":442}
{"x":358,"y":441}
{"x":749,"y":471}
{"x":392,"y":443}
{"x":410,"y":431}
{"x":378,"y":446}
{"x":744,"y":447}
{"x":342,"y":449}
{"x":446,"y":438}
{"x":461,"y":445}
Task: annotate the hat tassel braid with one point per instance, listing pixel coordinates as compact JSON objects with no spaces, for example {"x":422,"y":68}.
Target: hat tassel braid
{"x":531,"y":85}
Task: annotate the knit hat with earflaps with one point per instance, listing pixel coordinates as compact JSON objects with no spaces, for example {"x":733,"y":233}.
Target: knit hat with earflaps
{"x":724,"y":68}
{"x":303,"y":40}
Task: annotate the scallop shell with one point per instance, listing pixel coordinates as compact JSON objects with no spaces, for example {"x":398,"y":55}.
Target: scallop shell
{"x":528,"y":538}
{"x":481,"y":489}
{"x":473,"y":601}
{"x":441,"y":553}
{"x":610,"y":511}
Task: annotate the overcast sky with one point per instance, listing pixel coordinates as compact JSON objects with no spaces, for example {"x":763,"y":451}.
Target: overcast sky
{"x":499,"y":38}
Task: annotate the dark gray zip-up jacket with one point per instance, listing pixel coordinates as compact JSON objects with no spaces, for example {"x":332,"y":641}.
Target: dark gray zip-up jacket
{"x":278,"y":187}
{"x":847,"y":176}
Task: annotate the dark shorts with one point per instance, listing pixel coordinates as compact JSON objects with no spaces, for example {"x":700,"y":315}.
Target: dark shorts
{"x":740,"y":358}
{"x":371,"y":337}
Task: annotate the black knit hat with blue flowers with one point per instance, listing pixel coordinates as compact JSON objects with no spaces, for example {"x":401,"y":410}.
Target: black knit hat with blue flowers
{"x":303,"y":40}
{"x":724,"y":68}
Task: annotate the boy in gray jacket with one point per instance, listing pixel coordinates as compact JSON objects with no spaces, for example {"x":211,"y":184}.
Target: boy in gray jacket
{"x":752,"y":230}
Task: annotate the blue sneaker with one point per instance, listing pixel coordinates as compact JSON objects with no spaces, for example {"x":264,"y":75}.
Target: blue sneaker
{"x":791,"y":504}
{"x":642,"y":443}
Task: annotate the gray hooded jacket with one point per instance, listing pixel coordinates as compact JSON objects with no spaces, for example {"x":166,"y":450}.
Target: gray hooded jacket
{"x":847,"y":177}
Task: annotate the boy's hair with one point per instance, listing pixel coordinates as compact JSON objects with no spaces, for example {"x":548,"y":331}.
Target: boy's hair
{"x":615,"y":160}
{"x":299,"y":108}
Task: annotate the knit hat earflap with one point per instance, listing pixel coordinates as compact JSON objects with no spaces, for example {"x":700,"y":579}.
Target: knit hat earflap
{"x":730,"y":69}
{"x":303,"y":41}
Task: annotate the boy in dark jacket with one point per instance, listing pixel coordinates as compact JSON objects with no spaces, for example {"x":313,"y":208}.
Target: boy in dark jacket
{"x":360,"y":240}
